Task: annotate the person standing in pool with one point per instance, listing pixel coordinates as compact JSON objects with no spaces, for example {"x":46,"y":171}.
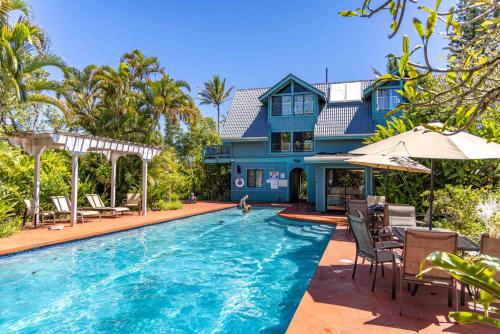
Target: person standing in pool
{"x":243,"y":204}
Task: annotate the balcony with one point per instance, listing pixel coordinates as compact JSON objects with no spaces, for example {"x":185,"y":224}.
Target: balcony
{"x":217,"y":154}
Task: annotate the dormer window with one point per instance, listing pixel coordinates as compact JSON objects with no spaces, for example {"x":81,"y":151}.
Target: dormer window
{"x":303,"y":104}
{"x":387,"y":99}
{"x":282,"y":105}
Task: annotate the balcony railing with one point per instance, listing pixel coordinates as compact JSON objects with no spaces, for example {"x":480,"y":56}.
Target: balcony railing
{"x":217,"y":152}
{"x":281,"y":147}
{"x":302,"y":147}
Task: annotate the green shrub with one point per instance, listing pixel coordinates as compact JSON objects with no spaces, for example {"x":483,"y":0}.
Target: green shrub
{"x":461,"y":209}
{"x":166,"y":205}
{"x":9,"y":221}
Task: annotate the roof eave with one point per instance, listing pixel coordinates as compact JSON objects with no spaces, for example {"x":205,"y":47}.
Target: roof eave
{"x":343,"y":136}
{"x":244,"y":139}
{"x":283,"y":81}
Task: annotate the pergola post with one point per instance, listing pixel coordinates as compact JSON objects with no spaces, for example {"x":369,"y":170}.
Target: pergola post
{"x":144,"y":197}
{"x":114,"y":159}
{"x":74,"y":187}
{"x":36,"y":186}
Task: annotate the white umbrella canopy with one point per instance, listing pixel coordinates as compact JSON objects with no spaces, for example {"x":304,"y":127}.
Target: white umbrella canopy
{"x":404,"y":164}
{"x":387,"y":163}
{"x":422,"y":142}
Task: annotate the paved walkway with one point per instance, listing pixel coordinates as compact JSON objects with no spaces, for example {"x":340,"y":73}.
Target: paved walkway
{"x":33,"y":238}
{"x":334,"y":303}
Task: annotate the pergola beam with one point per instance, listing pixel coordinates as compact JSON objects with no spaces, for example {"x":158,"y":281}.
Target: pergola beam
{"x":35,"y":144}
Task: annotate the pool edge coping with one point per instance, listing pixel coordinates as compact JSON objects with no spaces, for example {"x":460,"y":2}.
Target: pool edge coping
{"x":43,"y":245}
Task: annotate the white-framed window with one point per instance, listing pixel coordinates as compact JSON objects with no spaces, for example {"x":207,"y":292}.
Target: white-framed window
{"x":394,"y":99}
{"x":308,"y":104}
{"x":286,"y":105}
{"x":382,"y":99}
{"x":387,"y":99}
{"x":281,"y":141}
{"x":298,"y":104}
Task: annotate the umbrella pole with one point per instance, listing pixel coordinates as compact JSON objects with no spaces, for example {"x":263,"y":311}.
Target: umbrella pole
{"x":386,"y":185}
{"x":431,"y":196}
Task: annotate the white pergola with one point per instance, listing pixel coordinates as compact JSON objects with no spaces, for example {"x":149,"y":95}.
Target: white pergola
{"x":35,"y":144}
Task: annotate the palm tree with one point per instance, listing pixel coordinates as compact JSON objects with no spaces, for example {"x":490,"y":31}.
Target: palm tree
{"x":215,"y":93}
{"x":166,"y":97}
{"x":23,"y":59}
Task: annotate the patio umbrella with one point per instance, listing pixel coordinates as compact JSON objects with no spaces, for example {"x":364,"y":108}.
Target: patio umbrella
{"x":387,"y":163}
{"x":422,"y":142}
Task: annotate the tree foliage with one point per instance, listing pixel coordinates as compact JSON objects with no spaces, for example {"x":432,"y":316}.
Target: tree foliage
{"x":469,"y":87}
{"x":215,"y":93}
{"x":24,"y":55}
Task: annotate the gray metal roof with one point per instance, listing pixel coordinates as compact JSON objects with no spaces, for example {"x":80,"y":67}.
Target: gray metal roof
{"x":247,"y":117}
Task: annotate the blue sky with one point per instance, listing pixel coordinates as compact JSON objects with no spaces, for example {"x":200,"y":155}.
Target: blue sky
{"x":250,"y":43}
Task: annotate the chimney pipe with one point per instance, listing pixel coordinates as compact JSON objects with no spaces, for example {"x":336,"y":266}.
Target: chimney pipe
{"x":326,"y":74}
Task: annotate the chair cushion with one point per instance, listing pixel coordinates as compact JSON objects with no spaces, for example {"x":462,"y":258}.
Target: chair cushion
{"x":121,"y":209}
{"x":88,"y":213}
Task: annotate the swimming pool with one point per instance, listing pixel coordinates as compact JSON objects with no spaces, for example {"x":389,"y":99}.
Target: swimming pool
{"x":220,"y":272}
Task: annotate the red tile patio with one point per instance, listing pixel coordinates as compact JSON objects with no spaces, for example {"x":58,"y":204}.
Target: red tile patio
{"x":334,"y":303}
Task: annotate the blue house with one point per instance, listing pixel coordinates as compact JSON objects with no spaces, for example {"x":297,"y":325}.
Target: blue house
{"x":289,"y":143}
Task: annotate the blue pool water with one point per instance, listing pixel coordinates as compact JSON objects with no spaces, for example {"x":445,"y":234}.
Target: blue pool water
{"x":220,"y":272}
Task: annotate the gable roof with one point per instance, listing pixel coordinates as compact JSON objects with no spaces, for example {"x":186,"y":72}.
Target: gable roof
{"x":285,"y":81}
{"x":247,"y":118}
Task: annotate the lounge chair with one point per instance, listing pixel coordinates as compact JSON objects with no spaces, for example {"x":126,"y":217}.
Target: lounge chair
{"x":132,"y":201}
{"x":417,"y":246}
{"x":98,"y":205}
{"x":29,"y":211}
{"x":62,"y":206}
{"x":367,"y":249}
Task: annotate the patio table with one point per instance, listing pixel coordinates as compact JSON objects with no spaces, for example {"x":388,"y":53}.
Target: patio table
{"x":463,"y":244}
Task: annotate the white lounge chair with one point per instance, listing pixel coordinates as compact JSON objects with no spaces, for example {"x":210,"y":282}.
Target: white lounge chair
{"x":133,"y":200}
{"x":62,"y":206}
{"x":98,"y":205}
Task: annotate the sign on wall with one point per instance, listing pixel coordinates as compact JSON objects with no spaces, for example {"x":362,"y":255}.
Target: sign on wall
{"x":274,"y":177}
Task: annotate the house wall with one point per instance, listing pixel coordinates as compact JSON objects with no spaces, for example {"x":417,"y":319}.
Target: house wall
{"x":320,"y":172}
{"x":337,"y":145}
{"x":266,"y":194}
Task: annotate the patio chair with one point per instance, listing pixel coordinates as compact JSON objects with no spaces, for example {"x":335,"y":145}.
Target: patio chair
{"x":132,"y":201}
{"x":490,"y":246}
{"x":417,"y":246}
{"x":357,"y":207}
{"x":98,"y":205}
{"x":62,"y":206}
{"x":29,"y":211}
{"x":368,"y":250}
{"x":400,"y":215}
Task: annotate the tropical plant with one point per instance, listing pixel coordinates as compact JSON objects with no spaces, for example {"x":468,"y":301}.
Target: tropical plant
{"x":23,"y":57}
{"x":460,"y":208}
{"x":165,"y":97}
{"x":215,"y":93}
{"x":9,"y":221}
{"x":478,"y":273}
{"x":469,"y":88}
